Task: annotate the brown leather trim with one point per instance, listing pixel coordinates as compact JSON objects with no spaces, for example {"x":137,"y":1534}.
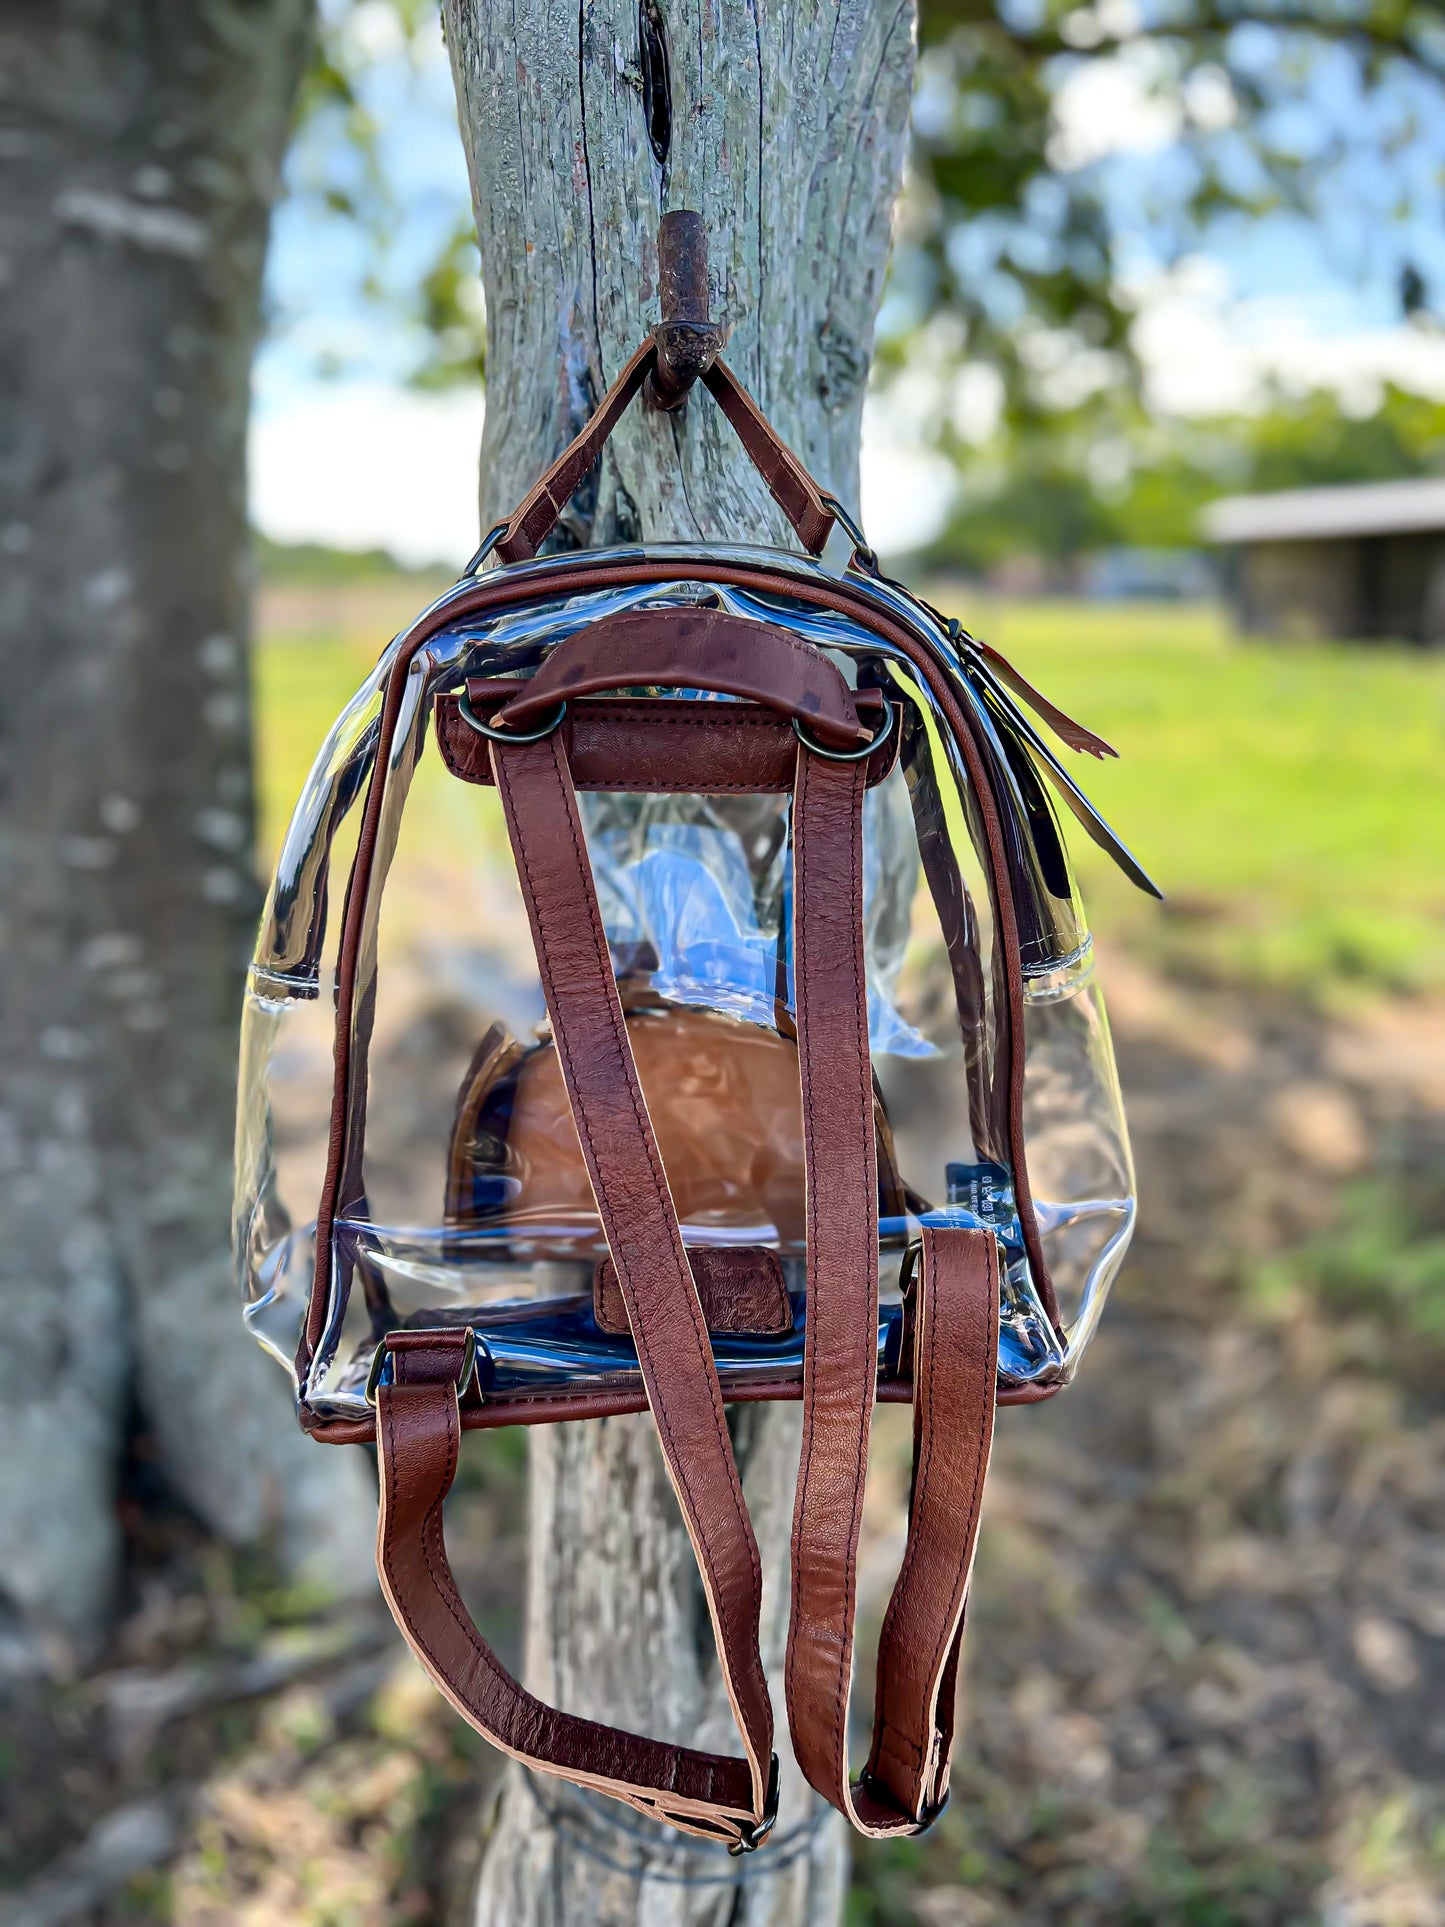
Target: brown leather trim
{"x":499,"y":592}
{"x":659,"y":745}
{"x":693,"y":649}
{"x":622,"y":1399}
{"x":740,"y":1288}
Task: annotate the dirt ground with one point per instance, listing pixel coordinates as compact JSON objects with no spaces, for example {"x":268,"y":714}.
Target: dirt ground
{"x":1206,"y":1681}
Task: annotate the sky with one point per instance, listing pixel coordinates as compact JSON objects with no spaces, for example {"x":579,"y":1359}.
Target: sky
{"x":344,"y":450}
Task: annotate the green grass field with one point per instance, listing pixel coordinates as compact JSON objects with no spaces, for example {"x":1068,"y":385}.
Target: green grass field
{"x":1290,"y":799}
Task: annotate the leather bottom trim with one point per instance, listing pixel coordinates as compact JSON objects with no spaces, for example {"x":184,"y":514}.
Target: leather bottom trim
{"x":607,"y":1402}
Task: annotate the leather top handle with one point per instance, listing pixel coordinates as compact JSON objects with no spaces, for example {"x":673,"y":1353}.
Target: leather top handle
{"x":693,"y":649}
{"x":788,"y":482}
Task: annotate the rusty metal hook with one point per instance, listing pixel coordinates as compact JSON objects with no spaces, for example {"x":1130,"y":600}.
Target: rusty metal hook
{"x":688,"y":340}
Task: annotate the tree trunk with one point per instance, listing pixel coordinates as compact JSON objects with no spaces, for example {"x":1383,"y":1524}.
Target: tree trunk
{"x":141,"y":154}
{"x":784,"y":126}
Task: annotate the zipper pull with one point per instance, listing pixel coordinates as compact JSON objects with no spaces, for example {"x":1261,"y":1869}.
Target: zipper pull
{"x":1063,"y":726}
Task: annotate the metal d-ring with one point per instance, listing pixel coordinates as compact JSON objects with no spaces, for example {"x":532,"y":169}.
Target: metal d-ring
{"x":885,"y":730}
{"x":382,"y":1357}
{"x":863,"y":551}
{"x":495,"y":735}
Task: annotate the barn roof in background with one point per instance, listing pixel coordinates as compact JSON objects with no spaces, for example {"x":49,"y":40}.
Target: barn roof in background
{"x":1317,"y":514}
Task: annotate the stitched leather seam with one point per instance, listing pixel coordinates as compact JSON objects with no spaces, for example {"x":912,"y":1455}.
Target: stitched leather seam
{"x":980,"y":1471}
{"x":865,"y":1097}
{"x":923,"y":1391}
{"x":801,"y":947}
{"x":660,"y":1411}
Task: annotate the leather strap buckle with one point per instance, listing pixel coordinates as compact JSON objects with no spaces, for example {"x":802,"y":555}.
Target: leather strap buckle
{"x":381,"y":1358}
{"x":929,"y":1812}
{"x":752,"y":1833}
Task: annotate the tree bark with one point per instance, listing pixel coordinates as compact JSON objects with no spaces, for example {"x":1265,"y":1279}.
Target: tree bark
{"x":141,"y":153}
{"x":786,"y":130}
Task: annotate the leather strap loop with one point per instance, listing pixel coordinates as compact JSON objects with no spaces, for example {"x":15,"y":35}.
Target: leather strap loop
{"x":788,"y":482}
{"x":418,"y":1433}
{"x":693,"y":649}
{"x":535,"y":516}
{"x":953,"y":1410}
{"x":955,"y":1377}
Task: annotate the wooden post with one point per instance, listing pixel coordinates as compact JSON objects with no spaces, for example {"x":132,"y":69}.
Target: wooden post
{"x":783,"y":126}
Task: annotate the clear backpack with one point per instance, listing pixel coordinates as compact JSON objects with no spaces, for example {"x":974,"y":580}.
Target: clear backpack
{"x":763,"y":1058}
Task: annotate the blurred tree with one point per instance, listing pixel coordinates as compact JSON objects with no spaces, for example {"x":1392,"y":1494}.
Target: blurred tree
{"x":142,"y":147}
{"x":1252,"y":106}
{"x":1108,"y":474}
{"x":1011,"y":227}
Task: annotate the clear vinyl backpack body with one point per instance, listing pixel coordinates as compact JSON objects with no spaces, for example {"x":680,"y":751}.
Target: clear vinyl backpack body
{"x":719,"y":1022}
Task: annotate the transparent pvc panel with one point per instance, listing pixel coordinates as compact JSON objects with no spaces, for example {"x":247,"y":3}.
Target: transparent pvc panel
{"x":470,"y":1199}
{"x":287,"y":1036}
{"x":1078,"y":1146}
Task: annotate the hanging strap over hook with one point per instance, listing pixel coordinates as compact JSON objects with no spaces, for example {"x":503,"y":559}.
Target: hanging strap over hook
{"x":688,"y":340}
{"x":684,"y":348}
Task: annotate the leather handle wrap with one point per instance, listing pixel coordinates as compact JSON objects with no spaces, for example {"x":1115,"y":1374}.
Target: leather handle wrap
{"x":788,"y":482}
{"x":693,"y":649}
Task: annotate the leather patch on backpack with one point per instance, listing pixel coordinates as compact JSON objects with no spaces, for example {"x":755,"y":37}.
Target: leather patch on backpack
{"x":741,"y":1289}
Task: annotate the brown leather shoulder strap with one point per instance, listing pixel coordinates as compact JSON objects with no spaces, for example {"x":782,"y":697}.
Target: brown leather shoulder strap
{"x":955,"y":1377}
{"x":789,"y":483}
{"x":840,"y":1358}
{"x":418,"y":1432}
{"x":954,"y":1406}
{"x":638,"y":1217}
